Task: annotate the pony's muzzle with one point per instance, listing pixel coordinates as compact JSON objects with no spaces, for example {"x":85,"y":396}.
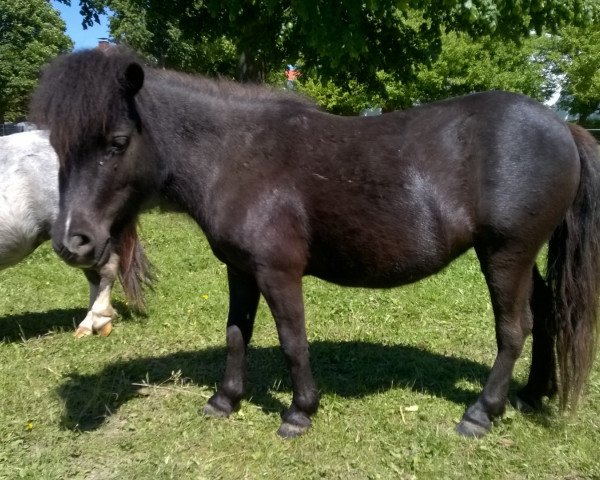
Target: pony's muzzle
{"x":77,"y":249}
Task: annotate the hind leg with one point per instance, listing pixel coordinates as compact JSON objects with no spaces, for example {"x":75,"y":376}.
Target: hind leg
{"x":99,"y":317}
{"x":542,"y":375}
{"x":508,"y":276}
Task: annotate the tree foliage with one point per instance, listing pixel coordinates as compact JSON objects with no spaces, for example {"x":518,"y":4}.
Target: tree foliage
{"x":389,"y":52}
{"x":168,"y":40}
{"x":343,"y":40}
{"x":463,"y":66}
{"x":577,"y":58}
{"x":31,"y":32}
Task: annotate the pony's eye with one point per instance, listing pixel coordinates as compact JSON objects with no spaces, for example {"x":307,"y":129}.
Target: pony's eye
{"x":119,"y":144}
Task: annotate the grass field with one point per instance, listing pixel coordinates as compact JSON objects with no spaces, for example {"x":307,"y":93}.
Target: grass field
{"x":396,"y":370}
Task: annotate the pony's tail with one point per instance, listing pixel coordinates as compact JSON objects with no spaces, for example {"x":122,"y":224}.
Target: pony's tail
{"x":573,"y":276}
{"x":135,"y":270}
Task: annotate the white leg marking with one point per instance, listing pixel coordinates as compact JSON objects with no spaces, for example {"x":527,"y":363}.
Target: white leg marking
{"x":102,"y":310}
{"x":87,"y":322}
{"x":99,"y":318}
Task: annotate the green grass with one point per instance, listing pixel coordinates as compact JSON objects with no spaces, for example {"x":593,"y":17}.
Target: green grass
{"x":396,"y":370}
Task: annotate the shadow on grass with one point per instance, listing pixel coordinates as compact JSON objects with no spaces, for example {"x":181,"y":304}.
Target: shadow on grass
{"x":347,"y":369}
{"x":16,"y":328}
{"x":26,"y":325}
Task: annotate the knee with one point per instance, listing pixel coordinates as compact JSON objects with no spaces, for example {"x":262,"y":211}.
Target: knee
{"x":296,"y":353}
{"x":511,"y":339}
{"x":235,"y":340}
{"x":527,"y":323}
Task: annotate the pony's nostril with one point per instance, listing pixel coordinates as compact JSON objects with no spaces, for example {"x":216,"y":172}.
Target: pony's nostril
{"x":79,"y":244}
{"x":79,"y":241}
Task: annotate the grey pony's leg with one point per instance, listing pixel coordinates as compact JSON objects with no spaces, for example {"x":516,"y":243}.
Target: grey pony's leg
{"x":99,"y":317}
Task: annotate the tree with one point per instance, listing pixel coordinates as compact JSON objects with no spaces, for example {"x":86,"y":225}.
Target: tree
{"x":342,"y":40}
{"x":31,"y":33}
{"x":463,"y":66}
{"x":168,"y":41}
{"x":391,"y":52}
{"x":576,"y":54}
{"x":466,"y":65}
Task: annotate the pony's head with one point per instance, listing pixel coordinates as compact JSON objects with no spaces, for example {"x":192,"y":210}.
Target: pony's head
{"x":87,"y":100}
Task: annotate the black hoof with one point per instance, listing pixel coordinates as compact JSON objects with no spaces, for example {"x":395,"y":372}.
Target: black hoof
{"x":218,"y":406}
{"x":291,"y":430}
{"x":475,"y":422}
{"x":527,"y":405}
{"x":212,"y":411}
{"x":469,"y":429}
{"x":530,"y":400}
{"x":295,"y":423}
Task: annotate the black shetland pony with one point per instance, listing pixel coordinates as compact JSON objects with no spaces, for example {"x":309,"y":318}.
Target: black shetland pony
{"x":283,"y":190}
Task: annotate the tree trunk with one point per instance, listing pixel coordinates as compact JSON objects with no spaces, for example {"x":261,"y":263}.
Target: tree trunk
{"x":251,"y":68}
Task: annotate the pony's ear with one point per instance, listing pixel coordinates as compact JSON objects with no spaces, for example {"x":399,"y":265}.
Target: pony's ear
{"x":133,"y":79}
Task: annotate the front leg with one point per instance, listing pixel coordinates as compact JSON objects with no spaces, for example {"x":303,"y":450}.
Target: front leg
{"x":99,"y":317}
{"x":283,"y":292}
{"x":243,"y":302}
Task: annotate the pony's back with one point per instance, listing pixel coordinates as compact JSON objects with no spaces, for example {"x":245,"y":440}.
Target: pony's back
{"x":28,"y":194}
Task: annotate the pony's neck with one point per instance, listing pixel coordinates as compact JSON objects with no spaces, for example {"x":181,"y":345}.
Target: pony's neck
{"x":184,"y":127}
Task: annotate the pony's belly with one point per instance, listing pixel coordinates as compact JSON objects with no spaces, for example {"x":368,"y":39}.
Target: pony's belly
{"x":376,"y":272}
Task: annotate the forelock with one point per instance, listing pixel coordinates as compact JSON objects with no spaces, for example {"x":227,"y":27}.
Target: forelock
{"x":79,"y":96}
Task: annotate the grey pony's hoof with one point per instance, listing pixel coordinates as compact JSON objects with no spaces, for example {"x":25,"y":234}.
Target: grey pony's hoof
{"x":291,"y":430}
{"x":469,"y":429}
{"x":212,"y":411}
